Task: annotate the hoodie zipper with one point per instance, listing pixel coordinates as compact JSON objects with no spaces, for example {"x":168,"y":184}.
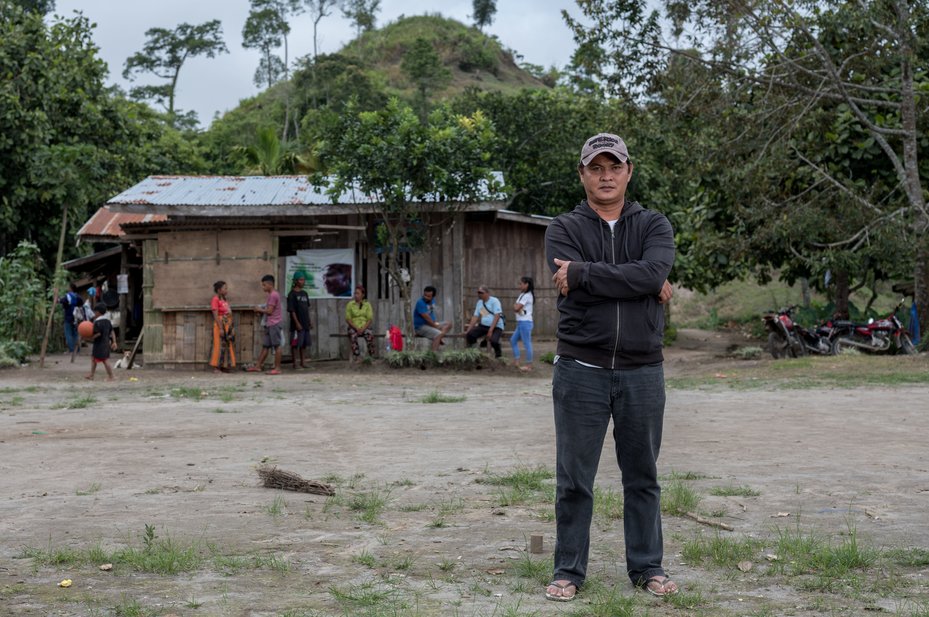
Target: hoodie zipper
{"x":613,"y":261}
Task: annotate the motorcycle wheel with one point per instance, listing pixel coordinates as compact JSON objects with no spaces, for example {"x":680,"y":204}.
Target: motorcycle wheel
{"x":906,"y":345}
{"x":839,"y":345}
{"x":777,"y":346}
{"x":797,"y":348}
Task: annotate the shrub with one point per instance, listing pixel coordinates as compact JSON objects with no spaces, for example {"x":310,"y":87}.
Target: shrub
{"x":23,"y":299}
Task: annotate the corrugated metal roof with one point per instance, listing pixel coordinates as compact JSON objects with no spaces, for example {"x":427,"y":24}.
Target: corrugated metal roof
{"x":105,"y":224}
{"x":234,"y":191}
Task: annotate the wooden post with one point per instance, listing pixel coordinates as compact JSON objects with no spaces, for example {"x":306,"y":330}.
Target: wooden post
{"x":123,"y":297}
{"x":51,"y":310}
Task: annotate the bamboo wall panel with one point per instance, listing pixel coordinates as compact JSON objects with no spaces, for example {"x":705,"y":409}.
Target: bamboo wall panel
{"x":186,"y":279}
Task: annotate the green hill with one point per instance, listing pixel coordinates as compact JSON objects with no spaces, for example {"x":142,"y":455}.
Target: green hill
{"x":369,"y":69}
{"x":473,"y":58}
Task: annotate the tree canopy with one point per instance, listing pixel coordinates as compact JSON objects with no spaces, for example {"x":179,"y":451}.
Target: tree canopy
{"x":164,"y":54}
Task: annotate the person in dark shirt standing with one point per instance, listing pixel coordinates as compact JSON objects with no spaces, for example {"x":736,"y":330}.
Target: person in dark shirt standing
{"x":104,"y":340}
{"x":610,"y":259}
{"x":298,"y":305}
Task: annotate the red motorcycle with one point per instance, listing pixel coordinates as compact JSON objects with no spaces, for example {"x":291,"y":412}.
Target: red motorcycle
{"x":783,"y":339}
{"x":877,"y":336}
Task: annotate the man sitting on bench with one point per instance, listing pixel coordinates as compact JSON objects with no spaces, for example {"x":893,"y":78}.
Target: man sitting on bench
{"x":424,"y":322}
{"x":486,"y":321}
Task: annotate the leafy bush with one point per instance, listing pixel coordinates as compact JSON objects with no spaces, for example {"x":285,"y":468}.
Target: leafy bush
{"x":23,"y":298}
{"x":465,"y":359}
{"x":13,"y":353}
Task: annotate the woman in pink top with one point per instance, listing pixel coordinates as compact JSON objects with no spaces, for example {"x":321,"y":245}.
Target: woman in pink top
{"x":222,"y":357}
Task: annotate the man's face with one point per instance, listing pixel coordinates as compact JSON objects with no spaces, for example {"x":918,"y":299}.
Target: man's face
{"x":605,"y":180}
{"x":427,"y":296}
{"x":267,"y":286}
{"x":336,"y":282}
{"x":299,"y":282}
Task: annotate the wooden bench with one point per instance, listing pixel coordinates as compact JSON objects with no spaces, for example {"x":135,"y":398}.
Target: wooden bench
{"x":420,"y":340}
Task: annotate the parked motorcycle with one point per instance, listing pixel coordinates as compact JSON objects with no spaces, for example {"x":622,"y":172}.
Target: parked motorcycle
{"x":877,"y":336}
{"x":782,"y":341}
{"x":786,"y":338}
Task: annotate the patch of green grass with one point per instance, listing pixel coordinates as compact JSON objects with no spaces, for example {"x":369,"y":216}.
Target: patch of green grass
{"x":734,"y":491}
{"x":687,"y":600}
{"x":270,"y":561}
{"x":190,"y":392}
{"x":156,"y":555}
{"x":538,"y":570}
{"x":278,"y":507}
{"x":912,"y":557}
{"x":129,"y":607}
{"x":608,"y":504}
{"x":806,"y":552}
{"x":522,"y":485}
{"x":447,"y":565}
{"x":81,"y":402}
{"x":685,"y":475}
{"x":403,"y":563}
{"x":606,"y":601}
{"x":548,"y":357}
{"x":366,"y":559}
{"x":437,"y":397}
{"x":462,"y":359}
{"x":721,"y":551}
{"x":90,"y":490}
{"x":369,"y":504}
{"x":750,"y":352}
{"x":678,"y":499}
{"x":362,"y":597}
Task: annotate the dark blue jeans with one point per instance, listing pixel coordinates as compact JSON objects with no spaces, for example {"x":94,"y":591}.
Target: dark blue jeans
{"x":71,"y":339}
{"x":585,"y":399}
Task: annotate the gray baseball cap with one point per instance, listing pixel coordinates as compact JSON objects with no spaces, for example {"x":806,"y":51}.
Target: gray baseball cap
{"x":604,"y":142}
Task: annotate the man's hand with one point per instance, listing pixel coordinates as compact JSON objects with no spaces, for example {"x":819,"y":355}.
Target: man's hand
{"x":664,"y":296}
{"x":560,"y":278}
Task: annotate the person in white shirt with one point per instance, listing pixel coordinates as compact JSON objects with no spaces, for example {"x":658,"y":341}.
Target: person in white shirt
{"x":523,"y":332}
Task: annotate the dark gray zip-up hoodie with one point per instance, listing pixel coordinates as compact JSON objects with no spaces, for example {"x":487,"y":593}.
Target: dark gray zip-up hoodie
{"x":611,"y":316}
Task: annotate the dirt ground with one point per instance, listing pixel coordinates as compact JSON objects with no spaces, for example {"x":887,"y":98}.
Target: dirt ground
{"x":89,"y":465}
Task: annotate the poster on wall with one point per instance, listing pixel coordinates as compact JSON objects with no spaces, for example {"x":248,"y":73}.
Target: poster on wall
{"x":329,"y":273}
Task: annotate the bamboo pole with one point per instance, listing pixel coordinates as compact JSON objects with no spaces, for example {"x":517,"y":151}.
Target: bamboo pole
{"x":51,"y":310}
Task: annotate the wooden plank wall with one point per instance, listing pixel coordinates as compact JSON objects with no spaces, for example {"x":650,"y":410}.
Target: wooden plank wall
{"x":188,"y":338}
{"x":461,"y":256}
{"x":189,"y":262}
{"x":497,"y":254}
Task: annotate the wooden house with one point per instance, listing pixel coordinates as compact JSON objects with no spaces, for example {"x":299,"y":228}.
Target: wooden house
{"x":237,"y":229}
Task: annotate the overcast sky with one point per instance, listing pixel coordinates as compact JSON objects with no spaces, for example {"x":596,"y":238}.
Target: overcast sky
{"x":532,"y":28}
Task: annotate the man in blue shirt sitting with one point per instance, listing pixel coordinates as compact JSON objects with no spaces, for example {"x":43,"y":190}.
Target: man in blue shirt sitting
{"x":424,"y":321}
{"x":488,"y":317}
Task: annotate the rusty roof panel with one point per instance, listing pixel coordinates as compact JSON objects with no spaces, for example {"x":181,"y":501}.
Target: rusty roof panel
{"x":107,"y":224}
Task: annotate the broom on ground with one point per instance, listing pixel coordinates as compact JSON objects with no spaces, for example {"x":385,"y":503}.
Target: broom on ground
{"x":272,"y":477}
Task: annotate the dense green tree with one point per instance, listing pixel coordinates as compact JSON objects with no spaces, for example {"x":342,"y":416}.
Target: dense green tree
{"x":164,"y":54}
{"x":484,"y":11}
{"x":43,"y":7}
{"x":265,"y":29}
{"x":362,"y":13}
{"x":318,"y":10}
{"x":403,"y":163}
{"x":815,"y":60}
{"x":269,"y":157}
{"x":66,"y":141}
{"x":423,"y":66}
